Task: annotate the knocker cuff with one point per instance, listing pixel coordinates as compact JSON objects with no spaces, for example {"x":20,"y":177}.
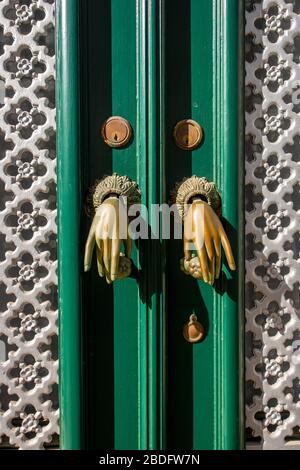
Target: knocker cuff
{"x":195,"y":186}
{"x":112,"y":185}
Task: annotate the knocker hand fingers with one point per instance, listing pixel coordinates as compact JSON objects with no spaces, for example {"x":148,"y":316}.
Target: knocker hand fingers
{"x":115,"y":255}
{"x":100,"y":264}
{"x":107,"y":258}
{"x":201,"y":252}
{"x":227,"y":249}
{"x":209,"y":245}
{"x":128,"y":246}
{"x":187,"y":247}
{"x":212,"y":270}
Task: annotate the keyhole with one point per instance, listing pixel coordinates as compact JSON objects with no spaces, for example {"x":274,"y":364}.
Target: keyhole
{"x":116,"y":131}
{"x":186,"y":140}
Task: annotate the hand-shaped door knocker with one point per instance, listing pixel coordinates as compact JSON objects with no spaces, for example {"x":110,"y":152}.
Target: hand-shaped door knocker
{"x":109,"y":201}
{"x":199,"y":205}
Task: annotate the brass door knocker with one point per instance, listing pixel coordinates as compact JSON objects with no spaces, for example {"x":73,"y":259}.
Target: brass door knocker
{"x":109,"y":228}
{"x":199,"y":205}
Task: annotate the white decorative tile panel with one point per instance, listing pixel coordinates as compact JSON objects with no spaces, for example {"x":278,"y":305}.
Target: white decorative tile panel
{"x":28,"y":264}
{"x":273,"y":223}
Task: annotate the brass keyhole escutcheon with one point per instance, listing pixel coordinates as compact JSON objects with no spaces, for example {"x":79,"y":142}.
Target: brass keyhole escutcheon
{"x":188,"y":134}
{"x":193,"y":331}
{"x":116,"y":132}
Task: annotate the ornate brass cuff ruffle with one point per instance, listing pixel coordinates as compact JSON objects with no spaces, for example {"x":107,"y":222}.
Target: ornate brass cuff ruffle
{"x":195,"y":186}
{"x":114,"y":184}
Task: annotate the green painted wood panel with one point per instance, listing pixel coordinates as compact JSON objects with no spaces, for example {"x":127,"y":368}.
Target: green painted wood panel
{"x":126,"y":294}
{"x":122,"y":334}
{"x":111,"y":319}
{"x":153,"y":62}
{"x":202,"y":82}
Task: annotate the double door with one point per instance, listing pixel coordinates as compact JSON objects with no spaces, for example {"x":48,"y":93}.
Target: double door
{"x":129,"y":378}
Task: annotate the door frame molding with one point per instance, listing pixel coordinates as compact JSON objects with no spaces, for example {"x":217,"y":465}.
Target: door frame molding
{"x":69,"y":210}
{"x":229,"y":139}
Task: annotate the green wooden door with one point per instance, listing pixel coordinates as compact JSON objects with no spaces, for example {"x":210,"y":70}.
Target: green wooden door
{"x":129,"y":380}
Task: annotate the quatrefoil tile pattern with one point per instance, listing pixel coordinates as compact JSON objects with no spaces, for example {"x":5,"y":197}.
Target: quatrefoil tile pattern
{"x":273,"y":223}
{"x":28,"y":264}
